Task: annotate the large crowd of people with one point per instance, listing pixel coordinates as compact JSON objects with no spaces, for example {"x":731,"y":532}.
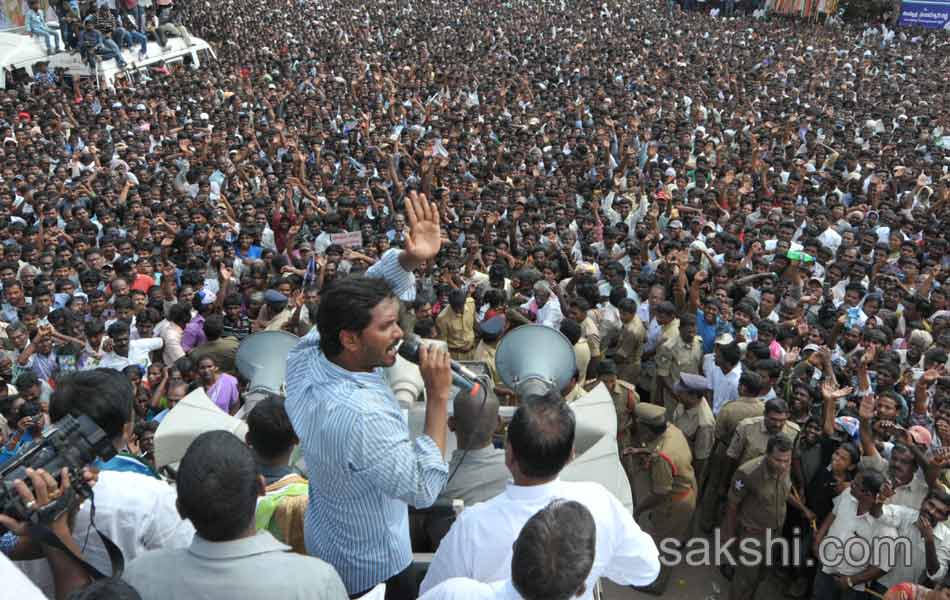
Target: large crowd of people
{"x":740,"y":224}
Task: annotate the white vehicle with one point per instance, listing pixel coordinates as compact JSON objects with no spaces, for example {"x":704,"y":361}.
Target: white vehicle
{"x":19,"y":50}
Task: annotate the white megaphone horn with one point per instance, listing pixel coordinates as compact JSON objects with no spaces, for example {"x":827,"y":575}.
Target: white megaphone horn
{"x":192,"y":416}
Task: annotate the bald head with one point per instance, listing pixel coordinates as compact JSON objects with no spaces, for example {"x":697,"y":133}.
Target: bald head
{"x":474,"y":425}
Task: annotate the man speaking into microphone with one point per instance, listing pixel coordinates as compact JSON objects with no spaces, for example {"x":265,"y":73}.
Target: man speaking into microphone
{"x":362,"y":467}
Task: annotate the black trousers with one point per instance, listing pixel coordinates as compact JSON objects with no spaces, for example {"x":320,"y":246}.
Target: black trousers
{"x":401,"y":586}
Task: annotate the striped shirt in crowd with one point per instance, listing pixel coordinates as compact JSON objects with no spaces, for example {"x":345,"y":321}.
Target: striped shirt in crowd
{"x":362,"y":467}
{"x":105,"y":23}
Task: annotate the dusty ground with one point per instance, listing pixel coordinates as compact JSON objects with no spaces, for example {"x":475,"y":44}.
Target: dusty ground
{"x":697,"y":583}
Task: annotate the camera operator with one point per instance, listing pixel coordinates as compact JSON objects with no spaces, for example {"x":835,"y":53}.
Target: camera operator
{"x":67,"y":574}
{"x":135,"y":511}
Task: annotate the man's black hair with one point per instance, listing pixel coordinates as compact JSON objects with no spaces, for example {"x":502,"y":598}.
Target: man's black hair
{"x":776,"y":406}
{"x":269,"y":431}
{"x":113,"y":588}
{"x":571,"y":330}
{"x":104,"y":395}
{"x":772,"y":367}
{"x":554,"y":552}
{"x":179,"y":314}
{"x":347,"y":305}
{"x":778,"y":443}
{"x":91,"y":328}
{"x":424,"y":328}
{"x":758,"y":350}
{"x":144,"y":426}
{"x":213,"y":327}
{"x":26,"y":380}
{"x":233,"y":300}
{"x":666,"y":308}
{"x":730,"y":353}
{"x":123,"y":302}
{"x":872,"y":479}
{"x":218,"y":486}
{"x":541,"y":435}
{"x":185,"y":365}
{"x":627,"y":305}
{"x":118,"y":328}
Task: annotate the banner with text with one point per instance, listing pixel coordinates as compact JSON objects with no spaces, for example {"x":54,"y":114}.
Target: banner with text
{"x":932,"y":14}
{"x":350,"y":239}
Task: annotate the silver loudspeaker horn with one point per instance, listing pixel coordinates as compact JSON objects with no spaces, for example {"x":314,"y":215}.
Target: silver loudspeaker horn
{"x":262,"y":360}
{"x":535,"y":360}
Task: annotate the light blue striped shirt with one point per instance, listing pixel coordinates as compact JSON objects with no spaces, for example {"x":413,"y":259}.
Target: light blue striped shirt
{"x":362,"y":466}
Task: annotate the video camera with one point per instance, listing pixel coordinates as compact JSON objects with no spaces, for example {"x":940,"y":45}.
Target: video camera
{"x":71,"y":442}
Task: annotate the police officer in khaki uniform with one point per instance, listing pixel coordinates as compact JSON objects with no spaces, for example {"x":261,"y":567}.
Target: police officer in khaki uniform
{"x":572,"y":331}
{"x":666,"y":488}
{"x":624,"y":395}
{"x":456,"y":325}
{"x":694,"y":418}
{"x":752,"y":435}
{"x":491,"y":331}
{"x":669,"y":326}
{"x":682,"y":353}
{"x":579,"y":312}
{"x":633,"y":333}
{"x":749,"y":404}
{"x":573,"y":390}
{"x":758,"y":496}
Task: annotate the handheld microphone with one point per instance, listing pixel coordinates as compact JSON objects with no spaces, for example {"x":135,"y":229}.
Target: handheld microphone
{"x":462,"y":378}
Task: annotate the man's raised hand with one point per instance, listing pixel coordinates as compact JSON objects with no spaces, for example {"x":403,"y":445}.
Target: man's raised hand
{"x":424,"y":238}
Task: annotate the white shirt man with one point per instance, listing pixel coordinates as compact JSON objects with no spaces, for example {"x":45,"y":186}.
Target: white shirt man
{"x":910,"y":568}
{"x":138,"y":354}
{"x":479,"y":544}
{"x":725,"y":386}
{"x":654,"y":330}
{"x":549,"y":314}
{"x":849,"y":524}
{"x":551,"y":558}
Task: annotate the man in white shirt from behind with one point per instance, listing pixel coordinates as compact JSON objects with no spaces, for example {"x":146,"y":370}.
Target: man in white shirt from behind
{"x":552,"y":558}
{"x":540,"y":443}
{"x":723,"y":368}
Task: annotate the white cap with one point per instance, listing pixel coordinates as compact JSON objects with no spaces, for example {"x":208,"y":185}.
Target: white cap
{"x":725,"y":339}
